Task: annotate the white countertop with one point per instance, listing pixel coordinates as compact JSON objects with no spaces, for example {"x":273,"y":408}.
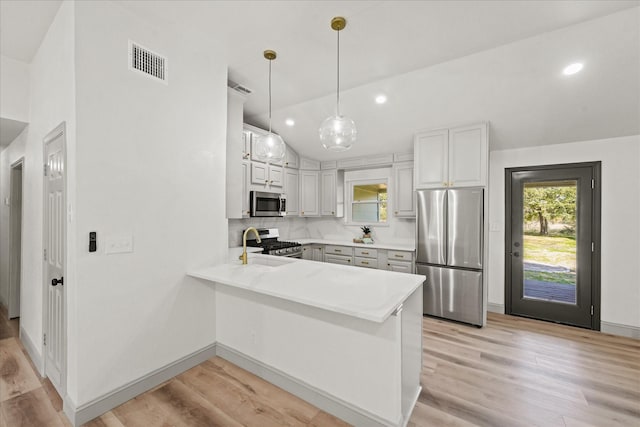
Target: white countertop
{"x":359,"y":292}
{"x":375,"y":245}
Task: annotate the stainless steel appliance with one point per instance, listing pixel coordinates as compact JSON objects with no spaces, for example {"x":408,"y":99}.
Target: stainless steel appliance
{"x":272,"y":246}
{"x":263,"y":203}
{"x":450,"y":228}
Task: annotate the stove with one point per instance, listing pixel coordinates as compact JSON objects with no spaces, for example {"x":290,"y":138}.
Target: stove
{"x":272,"y":246}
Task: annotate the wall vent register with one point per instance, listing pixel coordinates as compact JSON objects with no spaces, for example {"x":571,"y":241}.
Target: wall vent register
{"x":149,"y":63}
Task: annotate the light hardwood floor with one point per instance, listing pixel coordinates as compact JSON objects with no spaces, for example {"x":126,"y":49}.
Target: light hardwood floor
{"x":513,"y":372}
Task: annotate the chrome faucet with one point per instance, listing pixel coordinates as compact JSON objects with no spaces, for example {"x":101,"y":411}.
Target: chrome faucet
{"x":243,"y":257}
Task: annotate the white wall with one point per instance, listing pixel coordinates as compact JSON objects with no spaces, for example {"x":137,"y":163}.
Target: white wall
{"x":151,"y":163}
{"x":8,"y":156}
{"x":620,"y":243}
{"x":14,"y":87}
{"x":51,"y":101}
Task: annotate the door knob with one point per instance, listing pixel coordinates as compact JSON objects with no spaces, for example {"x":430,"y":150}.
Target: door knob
{"x":515,"y":254}
{"x":55,"y":282}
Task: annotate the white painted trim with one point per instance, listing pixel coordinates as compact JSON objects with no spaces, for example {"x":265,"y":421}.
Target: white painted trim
{"x":28,"y":345}
{"x":495,"y":308}
{"x":619,"y":329}
{"x":307,"y":392}
{"x":95,"y":408}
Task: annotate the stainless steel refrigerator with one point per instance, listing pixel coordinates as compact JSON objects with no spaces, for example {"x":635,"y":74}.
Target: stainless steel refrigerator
{"x":450,"y":226}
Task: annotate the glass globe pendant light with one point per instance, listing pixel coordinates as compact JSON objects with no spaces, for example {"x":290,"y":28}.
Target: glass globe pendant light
{"x":338,"y":133}
{"x":270,"y":147}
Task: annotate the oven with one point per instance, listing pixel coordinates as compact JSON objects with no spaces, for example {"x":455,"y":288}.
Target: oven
{"x":272,"y":246}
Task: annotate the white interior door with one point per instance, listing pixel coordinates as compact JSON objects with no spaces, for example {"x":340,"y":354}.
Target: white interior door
{"x":15,"y":240}
{"x":55,"y":250}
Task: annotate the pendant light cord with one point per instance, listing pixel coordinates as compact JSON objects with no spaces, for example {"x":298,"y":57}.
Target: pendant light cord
{"x":338,"y":78}
{"x":269,"y":96}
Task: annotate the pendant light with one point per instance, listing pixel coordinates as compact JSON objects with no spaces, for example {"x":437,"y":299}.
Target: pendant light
{"x":338,"y":133}
{"x":270,"y":147}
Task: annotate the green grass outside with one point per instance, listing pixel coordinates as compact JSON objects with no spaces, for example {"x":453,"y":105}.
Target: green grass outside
{"x":552,"y":250}
{"x":543,"y":276}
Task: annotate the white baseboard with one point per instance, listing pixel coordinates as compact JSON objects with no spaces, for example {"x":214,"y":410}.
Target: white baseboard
{"x":495,"y":308}
{"x":318,"y":398}
{"x":28,"y":345}
{"x":95,"y":408}
{"x":621,"y":330}
{"x":307,"y":392}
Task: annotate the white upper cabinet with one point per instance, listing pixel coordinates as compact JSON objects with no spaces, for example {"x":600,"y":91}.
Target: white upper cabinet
{"x":246,"y":178}
{"x":328,"y":187}
{"x":309,"y":164}
{"x":431,"y":159}
{"x":292,"y":190}
{"x":235,"y":174}
{"x":309,"y":199}
{"x":403,"y":202}
{"x":468,"y":156}
{"x":455,"y":157}
{"x":267,"y":175}
{"x":246,"y":145}
{"x":291,"y":159}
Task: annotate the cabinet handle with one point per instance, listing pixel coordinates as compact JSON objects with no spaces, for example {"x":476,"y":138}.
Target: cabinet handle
{"x":337,"y":250}
{"x":365,"y":253}
{"x":399,"y":256}
{"x":446,"y":184}
{"x":302,"y":213}
{"x":396,"y":212}
{"x":332,"y":213}
{"x":348,"y":260}
{"x":365,"y":262}
{"x":271,"y":182}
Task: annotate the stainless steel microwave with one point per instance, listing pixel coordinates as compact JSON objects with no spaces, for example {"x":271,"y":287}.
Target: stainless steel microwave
{"x":263,"y":203}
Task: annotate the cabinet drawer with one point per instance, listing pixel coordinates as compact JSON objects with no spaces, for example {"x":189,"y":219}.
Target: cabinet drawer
{"x":366,"y":252}
{"x":338,"y":259}
{"x":400,"y":266}
{"x":338,"y":250}
{"x":400,"y":256}
{"x":366,"y":262}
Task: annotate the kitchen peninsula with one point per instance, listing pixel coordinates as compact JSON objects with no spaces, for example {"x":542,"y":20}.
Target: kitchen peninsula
{"x":345,"y":339}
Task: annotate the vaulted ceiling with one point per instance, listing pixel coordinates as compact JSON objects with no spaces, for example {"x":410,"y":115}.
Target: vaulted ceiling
{"x":438,"y":62}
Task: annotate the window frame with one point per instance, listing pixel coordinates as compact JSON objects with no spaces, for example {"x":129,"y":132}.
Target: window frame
{"x":366,"y":177}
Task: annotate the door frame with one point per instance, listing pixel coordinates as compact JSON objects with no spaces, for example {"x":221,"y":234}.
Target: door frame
{"x":596,"y":168}
{"x":13,"y":287}
{"x":59,"y":130}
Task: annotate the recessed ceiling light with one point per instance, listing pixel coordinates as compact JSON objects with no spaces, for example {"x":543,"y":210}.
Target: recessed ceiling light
{"x":381,"y":99}
{"x":572,"y":69}
{"x":290,"y":122}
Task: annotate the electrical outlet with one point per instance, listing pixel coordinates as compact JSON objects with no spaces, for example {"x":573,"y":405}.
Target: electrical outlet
{"x":118,"y":244}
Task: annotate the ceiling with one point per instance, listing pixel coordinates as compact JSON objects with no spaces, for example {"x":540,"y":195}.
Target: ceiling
{"x":439,"y":62}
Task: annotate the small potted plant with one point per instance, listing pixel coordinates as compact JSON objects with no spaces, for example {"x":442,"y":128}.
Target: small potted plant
{"x":366,"y":231}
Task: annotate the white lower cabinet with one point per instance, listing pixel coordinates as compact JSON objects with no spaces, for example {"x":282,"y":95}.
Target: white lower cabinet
{"x":338,"y":254}
{"x":382,"y":259}
{"x":313,"y":252}
{"x":338,"y":259}
{"x":400,"y":266}
{"x":400,"y":261}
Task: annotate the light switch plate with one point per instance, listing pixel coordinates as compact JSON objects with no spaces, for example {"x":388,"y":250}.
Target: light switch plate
{"x":495,"y":226}
{"x":118,"y":243}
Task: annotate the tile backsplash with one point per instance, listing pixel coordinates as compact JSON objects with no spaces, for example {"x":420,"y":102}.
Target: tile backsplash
{"x":291,"y":228}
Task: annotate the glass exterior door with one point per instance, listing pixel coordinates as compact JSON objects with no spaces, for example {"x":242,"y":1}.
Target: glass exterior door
{"x":550,"y":247}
